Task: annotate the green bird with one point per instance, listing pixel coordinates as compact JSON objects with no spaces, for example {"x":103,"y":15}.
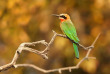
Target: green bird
{"x":69,"y":30}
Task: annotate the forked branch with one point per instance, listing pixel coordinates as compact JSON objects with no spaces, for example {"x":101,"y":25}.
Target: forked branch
{"x":43,"y":54}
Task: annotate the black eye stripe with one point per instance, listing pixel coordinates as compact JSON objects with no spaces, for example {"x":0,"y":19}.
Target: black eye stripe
{"x":63,"y":16}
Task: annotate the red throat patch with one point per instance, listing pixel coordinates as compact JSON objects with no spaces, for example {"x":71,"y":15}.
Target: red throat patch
{"x":61,"y":20}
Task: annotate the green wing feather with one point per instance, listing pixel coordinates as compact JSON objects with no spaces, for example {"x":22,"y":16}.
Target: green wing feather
{"x":69,"y":29}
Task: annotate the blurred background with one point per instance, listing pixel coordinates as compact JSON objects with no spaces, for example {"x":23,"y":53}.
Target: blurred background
{"x":31,"y":20}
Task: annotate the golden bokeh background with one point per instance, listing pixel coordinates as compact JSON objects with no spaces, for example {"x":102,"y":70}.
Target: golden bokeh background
{"x":31,"y":20}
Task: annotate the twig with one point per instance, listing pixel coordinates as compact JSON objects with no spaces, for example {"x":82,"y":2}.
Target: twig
{"x":51,"y":41}
{"x":25,"y":46}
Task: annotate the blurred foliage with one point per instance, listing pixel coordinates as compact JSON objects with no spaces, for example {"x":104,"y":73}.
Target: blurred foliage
{"x":31,"y":20}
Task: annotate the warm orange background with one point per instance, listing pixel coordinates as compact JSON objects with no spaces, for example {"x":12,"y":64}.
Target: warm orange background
{"x":31,"y":20}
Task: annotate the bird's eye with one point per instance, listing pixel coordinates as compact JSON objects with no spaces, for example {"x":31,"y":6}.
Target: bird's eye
{"x":63,"y":16}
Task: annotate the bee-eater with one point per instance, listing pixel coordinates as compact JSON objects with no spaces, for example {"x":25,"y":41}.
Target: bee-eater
{"x":69,"y":30}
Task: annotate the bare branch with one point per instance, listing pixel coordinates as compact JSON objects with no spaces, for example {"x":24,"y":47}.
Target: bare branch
{"x":92,"y":45}
{"x":43,"y":54}
{"x":51,"y":41}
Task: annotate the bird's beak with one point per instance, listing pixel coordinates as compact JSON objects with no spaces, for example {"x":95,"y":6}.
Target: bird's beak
{"x":56,"y":15}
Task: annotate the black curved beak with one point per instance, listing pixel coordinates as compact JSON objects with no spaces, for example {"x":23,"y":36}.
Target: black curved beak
{"x":56,"y":15}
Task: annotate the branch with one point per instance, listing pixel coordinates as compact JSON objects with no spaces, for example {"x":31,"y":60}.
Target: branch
{"x":86,"y":48}
{"x":23,"y":46}
{"x":43,"y":54}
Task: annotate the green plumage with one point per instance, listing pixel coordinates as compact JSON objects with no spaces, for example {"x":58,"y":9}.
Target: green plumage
{"x":70,"y":31}
{"x":76,"y":50}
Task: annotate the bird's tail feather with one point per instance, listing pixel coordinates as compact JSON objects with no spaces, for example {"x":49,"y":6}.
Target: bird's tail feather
{"x":76,"y":50}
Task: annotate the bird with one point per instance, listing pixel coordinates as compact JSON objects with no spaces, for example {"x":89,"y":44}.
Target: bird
{"x":69,"y":30}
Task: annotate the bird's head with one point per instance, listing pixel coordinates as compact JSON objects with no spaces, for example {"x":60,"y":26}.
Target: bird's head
{"x":62,"y":17}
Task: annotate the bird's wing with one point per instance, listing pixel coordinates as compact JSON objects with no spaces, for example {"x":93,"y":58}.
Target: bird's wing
{"x":69,"y":29}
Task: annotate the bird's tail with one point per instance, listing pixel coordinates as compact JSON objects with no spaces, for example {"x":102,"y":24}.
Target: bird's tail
{"x":76,"y":50}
